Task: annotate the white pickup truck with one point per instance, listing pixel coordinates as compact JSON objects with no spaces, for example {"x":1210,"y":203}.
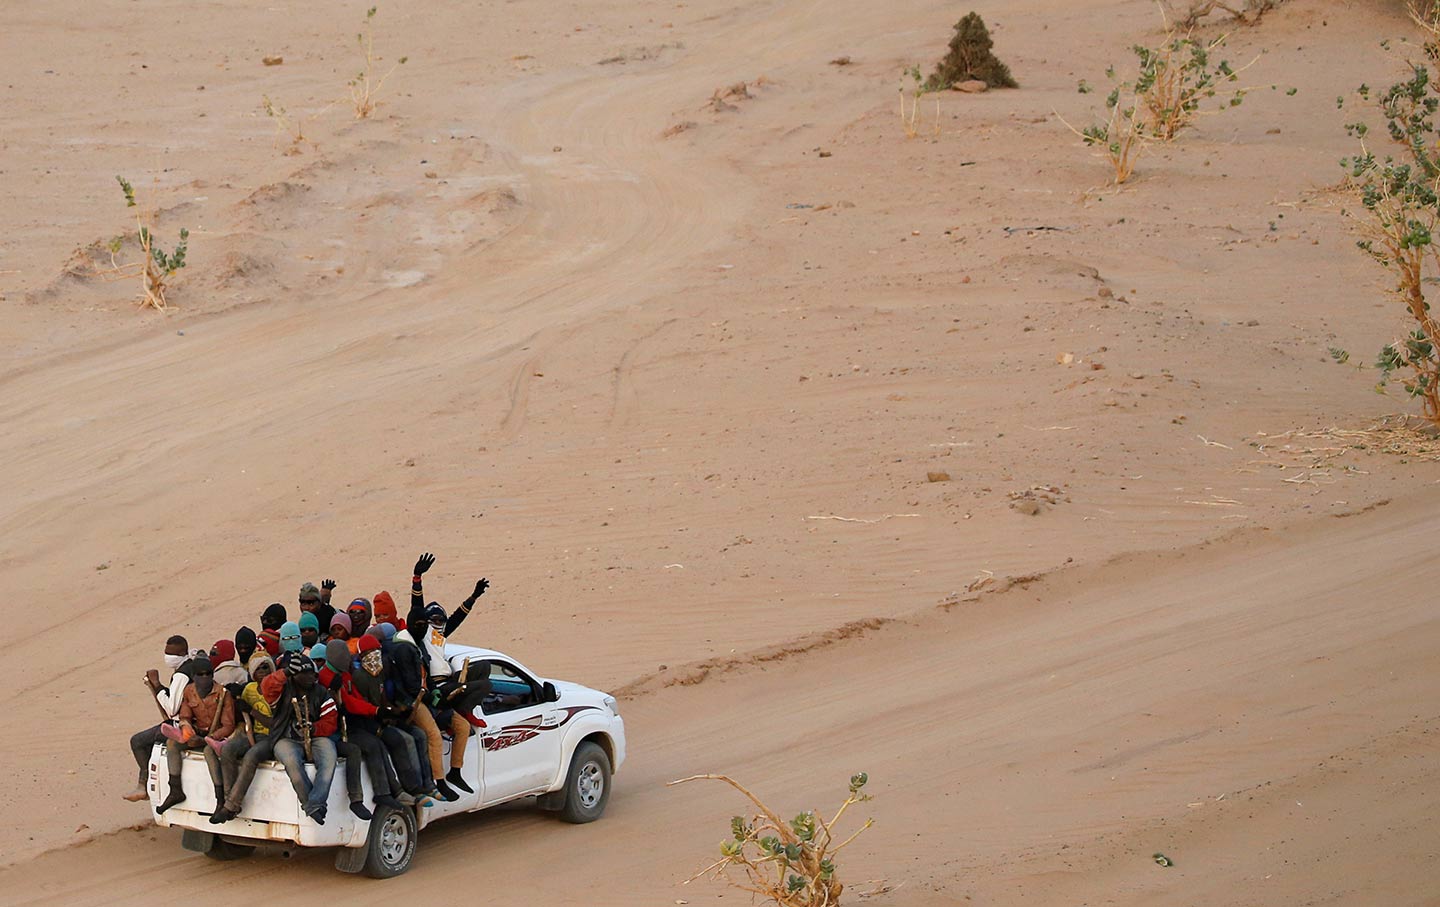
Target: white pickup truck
{"x":562,"y":743}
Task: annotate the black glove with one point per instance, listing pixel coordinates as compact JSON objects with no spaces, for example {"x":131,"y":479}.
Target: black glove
{"x":427,"y":560}
{"x":480,"y":588}
{"x":242,"y":706}
{"x":235,"y":689}
{"x":328,"y":584}
{"x":335,"y":682}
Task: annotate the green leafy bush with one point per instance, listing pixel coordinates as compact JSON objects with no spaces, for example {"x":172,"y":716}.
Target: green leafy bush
{"x":786,"y":863}
{"x":970,"y":58}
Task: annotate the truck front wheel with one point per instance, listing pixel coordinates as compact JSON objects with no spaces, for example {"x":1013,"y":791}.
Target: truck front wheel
{"x":587,"y":787}
{"x":393,"y":838}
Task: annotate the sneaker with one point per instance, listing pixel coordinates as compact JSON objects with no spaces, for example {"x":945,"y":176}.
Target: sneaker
{"x":138,"y":794}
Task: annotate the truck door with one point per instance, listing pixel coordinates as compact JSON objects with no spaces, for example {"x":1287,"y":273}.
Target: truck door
{"x":522,"y":739}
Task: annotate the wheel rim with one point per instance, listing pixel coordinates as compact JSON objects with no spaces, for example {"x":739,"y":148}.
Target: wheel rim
{"x":590,"y":785}
{"x":394,"y":839}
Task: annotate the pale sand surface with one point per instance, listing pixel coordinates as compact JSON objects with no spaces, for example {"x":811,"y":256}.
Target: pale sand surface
{"x":510,"y":321}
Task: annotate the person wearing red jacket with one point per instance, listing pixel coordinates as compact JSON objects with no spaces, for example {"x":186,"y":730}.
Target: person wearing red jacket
{"x":300,"y":732}
{"x":360,"y":744}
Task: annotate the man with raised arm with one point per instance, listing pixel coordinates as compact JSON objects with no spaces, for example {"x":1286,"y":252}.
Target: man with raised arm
{"x":428,"y":626}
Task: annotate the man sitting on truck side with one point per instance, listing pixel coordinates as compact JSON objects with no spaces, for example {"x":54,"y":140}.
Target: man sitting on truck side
{"x":305,"y":717}
{"x":168,"y":696}
{"x":242,"y":754}
{"x":206,"y":711}
{"x":358,"y":748}
{"x":428,"y":626}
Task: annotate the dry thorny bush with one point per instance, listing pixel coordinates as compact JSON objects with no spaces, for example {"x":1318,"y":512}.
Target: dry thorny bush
{"x":365,"y":86}
{"x":792,"y":863}
{"x":1247,"y":12}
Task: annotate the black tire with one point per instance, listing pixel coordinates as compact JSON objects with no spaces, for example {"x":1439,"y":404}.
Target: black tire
{"x":587,"y":786}
{"x":224,"y":850}
{"x":394,"y":835}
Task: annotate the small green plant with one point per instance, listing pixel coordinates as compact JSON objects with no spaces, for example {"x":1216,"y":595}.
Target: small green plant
{"x":1175,"y":77}
{"x":1120,"y":136}
{"x":1400,"y":199}
{"x":156,"y":266}
{"x":365,"y":86}
{"x":292,"y":130}
{"x":791,"y":864}
{"x":971,"y":57}
{"x":910,"y":117}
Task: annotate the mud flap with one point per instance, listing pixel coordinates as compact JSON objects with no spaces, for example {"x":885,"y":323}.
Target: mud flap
{"x":351,"y":859}
{"x":553,"y":801}
{"x":198,"y":841}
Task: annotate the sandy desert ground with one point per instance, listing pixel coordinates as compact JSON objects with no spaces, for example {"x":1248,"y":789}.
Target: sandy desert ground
{"x":673,"y":377}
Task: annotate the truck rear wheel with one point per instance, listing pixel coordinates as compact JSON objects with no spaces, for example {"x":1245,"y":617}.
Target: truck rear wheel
{"x":394,"y":836}
{"x":587,"y":786}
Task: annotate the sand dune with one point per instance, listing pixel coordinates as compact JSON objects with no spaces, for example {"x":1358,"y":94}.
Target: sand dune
{"x":674,"y":382}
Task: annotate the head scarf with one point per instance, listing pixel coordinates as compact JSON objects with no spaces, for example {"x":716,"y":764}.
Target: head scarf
{"x":258,"y":659}
{"x":273,"y":616}
{"x":245,"y":639}
{"x":308,"y":621}
{"x":290,"y":636}
{"x":337,"y":656}
{"x":385,"y":608}
{"x":318,"y":652}
{"x":357,"y":604}
{"x":308,"y":592}
{"x":221,"y":652}
{"x":342,"y":619}
{"x":387,"y":630}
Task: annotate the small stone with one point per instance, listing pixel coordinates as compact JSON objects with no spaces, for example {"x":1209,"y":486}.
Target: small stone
{"x":1097,"y":366}
{"x":1027,"y":506}
{"x":410,"y":462}
{"x":937,"y":476}
{"x":431,"y":174}
{"x":826,"y":154}
{"x":844,"y":204}
{"x":557,"y":149}
{"x":1252,"y":323}
{"x":1112,"y":402}
{"x":971,"y":86}
{"x":272,"y":61}
{"x":1137,"y":375}
{"x":1105,"y":293}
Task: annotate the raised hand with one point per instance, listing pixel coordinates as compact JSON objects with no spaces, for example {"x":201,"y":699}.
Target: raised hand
{"x":480,"y":588}
{"x":427,"y":560}
{"x":328,"y":585}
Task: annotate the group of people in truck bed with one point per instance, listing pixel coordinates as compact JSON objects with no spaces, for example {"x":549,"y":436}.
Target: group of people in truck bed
{"x":359,"y":684}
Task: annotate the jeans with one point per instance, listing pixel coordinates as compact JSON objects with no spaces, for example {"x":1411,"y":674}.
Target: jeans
{"x":175,"y":755}
{"x":407,"y":750}
{"x":141,"y":743}
{"x":238,"y":762}
{"x":291,"y":753}
{"x":366,"y":748}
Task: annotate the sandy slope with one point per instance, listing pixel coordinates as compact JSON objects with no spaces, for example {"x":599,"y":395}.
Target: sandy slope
{"x":630,"y":375}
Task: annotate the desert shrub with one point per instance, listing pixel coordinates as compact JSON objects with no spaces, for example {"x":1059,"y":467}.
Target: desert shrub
{"x":970,"y":57}
{"x":291,"y":129}
{"x":156,"y":266}
{"x":786,"y":863}
{"x":365,"y":86}
{"x":1247,"y":12}
{"x":1398,"y":224}
{"x":1120,"y":136}
{"x":1174,"y":78}
{"x":915,"y":87}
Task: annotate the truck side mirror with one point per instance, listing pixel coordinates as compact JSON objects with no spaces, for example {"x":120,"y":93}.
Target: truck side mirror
{"x":549,"y":692}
